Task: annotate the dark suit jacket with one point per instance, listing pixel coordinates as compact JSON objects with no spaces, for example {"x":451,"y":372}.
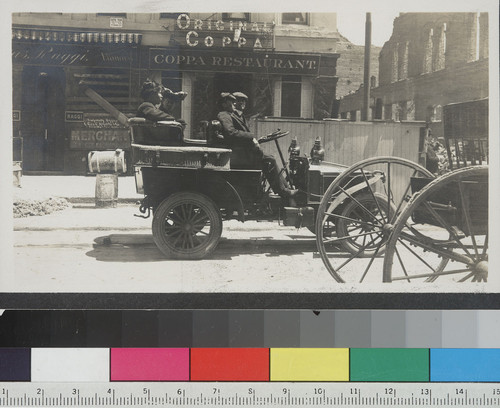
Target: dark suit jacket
{"x":239,"y":139}
{"x":150,"y":112}
{"x":240,"y":120}
{"x":234,"y":131}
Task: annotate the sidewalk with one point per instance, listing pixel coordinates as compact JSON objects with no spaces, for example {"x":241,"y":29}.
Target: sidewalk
{"x":76,"y":189}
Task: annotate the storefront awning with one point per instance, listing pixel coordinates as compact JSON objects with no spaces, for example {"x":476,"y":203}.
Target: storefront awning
{"x":75,"y":37}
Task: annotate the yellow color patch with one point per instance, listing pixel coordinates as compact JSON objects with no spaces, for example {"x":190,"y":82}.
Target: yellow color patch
{"x":309,"y":364}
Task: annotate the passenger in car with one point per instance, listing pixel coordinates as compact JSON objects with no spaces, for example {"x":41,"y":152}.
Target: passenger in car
{"x":169,"y":99}
{"x":150,"y":107}
{"x":247,"y":153}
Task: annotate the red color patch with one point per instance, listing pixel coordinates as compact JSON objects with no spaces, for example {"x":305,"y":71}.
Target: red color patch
{"x":229,"y":364}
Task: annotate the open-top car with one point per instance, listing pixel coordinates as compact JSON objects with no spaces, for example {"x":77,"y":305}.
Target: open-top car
{"x":190,"y":188}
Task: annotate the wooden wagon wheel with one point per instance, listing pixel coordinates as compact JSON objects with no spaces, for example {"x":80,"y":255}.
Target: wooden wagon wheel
{"x":187,"y":225}
{"x":443,"y":231}
{"x":363,"y":202}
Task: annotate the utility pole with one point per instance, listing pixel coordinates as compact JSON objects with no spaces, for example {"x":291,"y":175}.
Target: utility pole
{"x":366,"y":83}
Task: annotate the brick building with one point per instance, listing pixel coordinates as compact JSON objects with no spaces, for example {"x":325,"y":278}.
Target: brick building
{"x":431,"y":60}
{"x":285,"y":62}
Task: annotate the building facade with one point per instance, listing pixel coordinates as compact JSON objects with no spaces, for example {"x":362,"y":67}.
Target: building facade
{"x":284,"y":62}
{"x":431,"y":60}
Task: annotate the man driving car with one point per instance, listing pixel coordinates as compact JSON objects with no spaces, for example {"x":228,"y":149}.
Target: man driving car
{"x":247,"y":153}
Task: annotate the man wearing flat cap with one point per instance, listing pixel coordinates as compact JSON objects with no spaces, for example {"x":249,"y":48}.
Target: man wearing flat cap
{"x":246,"y":151}
{"x":149,"y":108}
{"x":239,"y":107}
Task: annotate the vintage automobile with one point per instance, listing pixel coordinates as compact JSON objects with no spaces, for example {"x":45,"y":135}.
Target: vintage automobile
{"x":190,"y":188}
{"x":404,"y":222}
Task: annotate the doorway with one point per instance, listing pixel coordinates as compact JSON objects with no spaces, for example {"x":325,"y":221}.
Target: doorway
{"x":42,"y":118}
{"x":228,"y":82}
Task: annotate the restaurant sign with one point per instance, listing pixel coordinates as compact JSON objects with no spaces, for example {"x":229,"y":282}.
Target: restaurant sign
{"x":196,"y":33}
{"x":98,"y":131}
{"x":231,"y":61}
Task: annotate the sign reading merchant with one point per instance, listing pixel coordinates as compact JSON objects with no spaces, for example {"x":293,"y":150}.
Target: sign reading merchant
{"x":196,"y":33}
{"x":232,"y":61}
{"x":98,"y":131}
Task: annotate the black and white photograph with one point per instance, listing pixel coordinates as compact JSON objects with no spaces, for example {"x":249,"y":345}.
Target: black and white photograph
{"x":159,"y":148}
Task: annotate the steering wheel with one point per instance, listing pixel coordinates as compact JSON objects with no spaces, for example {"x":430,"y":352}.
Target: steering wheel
{"x":272,"y":136}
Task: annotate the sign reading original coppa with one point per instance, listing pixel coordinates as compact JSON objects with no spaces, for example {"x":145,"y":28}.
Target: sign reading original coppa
{"x":218,"y":33}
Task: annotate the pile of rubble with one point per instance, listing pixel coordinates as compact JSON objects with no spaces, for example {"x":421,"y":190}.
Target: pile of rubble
{"x":25,"y":207}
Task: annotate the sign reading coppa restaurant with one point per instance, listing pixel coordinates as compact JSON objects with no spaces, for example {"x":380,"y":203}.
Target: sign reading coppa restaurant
{"x":233,"y":61}
{"x":196,"y":33}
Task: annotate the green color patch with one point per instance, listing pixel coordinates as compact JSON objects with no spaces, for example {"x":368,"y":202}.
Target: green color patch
{"x":386,"y":364}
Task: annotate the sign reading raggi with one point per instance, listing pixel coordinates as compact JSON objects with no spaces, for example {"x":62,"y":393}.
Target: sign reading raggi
{"x":197,"y":60}
{"x":196,"y":33}
{"x":71,"y":55}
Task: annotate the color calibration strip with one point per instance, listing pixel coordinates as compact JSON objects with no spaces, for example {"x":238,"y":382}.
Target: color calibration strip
{"x":249,"y":364}
{"x":251,"y":328}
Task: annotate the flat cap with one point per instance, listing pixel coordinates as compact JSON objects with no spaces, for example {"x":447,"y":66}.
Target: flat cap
{"x":227,"y":95}
{"x":240,"y":95}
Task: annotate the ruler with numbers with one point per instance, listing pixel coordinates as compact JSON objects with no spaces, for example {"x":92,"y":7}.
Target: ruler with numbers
{"x":278,"y":394}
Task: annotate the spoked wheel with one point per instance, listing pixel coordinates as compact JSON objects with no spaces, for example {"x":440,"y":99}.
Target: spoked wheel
{"x":187,"y":226}
{"x":363,"y":201}
{"x":356,"y":219}
{"x":443,"y":232}
{"x":329,"y":228}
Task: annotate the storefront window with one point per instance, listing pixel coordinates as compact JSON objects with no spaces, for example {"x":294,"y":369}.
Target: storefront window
{"x":112,"y":14}
{"x":294,"y":18}
{"x":291,"y":87}
{"x":377,"y":114}
{"x":236,"y":16}
{"x":170,"y":15}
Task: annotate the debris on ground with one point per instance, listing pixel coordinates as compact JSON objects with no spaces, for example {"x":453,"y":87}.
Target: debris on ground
{"x":31,"y":207}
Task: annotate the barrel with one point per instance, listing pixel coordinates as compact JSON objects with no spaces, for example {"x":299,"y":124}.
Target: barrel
{"x":106,"y":190}
{"x":107,"y":161}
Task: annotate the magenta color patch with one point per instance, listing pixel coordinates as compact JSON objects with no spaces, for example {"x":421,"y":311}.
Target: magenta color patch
{"x":149,"y":364}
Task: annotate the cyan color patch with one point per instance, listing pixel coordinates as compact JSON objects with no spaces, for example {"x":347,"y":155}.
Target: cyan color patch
{"x":465,"y":365}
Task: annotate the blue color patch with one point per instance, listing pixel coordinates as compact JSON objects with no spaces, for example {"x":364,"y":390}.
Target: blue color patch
{"x":465,"y":365}
{"x":15,"y":364}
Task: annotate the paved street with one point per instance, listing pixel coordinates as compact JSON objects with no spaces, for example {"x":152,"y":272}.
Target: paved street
{"x":86,"y":249}
{"x":109,"y":250}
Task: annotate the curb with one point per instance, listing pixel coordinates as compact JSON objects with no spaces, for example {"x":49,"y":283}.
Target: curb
{"x":92,"y":200}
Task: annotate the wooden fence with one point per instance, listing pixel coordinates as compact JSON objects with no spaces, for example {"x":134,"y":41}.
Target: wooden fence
{"x":348,"y":142}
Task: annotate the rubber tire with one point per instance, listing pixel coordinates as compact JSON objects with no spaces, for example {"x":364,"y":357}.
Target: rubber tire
{"x":364,"y":198}
{"x":175,"y":200}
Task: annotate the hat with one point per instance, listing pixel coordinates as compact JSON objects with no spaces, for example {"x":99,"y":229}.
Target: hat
{"x":148,"y":88}
{"x":174,"y":96}
{"x":240,"y":95}
{"x":226,"y":95}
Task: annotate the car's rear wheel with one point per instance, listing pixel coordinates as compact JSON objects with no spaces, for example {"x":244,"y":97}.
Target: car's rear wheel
{"x":187,"y":225}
